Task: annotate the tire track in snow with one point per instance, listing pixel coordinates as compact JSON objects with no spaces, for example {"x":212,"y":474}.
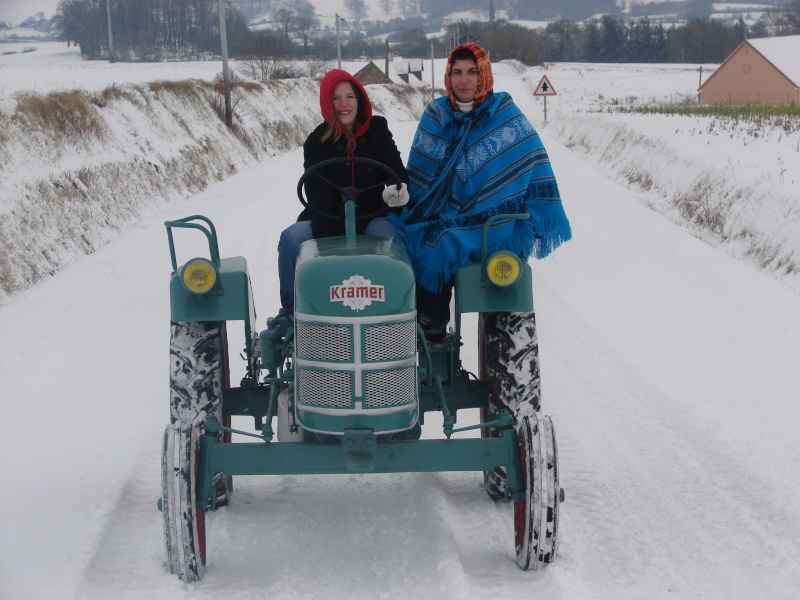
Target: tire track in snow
{"x":353,"y":536}
{"x":131,"y":540}
{"x":483,"y":533}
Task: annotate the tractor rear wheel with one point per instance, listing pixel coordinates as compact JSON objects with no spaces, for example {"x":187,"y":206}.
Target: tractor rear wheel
{"x":509,"y":359}
{"x":184,"y":523}
{"x":199,"y":372}
{"x":536,"y":517}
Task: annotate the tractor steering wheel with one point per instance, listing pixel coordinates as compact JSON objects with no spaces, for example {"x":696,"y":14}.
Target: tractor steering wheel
{"x":347,"y":192}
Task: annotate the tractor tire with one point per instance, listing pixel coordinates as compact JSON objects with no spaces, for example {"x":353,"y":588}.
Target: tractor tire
{"x":199,"y":371}
{"x":509,"y":359}
{"x":184,"y":523}
{"x":536,"y":517}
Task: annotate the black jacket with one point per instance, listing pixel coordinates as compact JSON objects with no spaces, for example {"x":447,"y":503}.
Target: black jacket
{"x":376,"y":143}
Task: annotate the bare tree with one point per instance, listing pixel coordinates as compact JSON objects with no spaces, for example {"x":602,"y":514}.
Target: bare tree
{"x":305,"y":25}
{"x":317,"y":67}
{"x":793,"y":15}
{"x":388,"y":5}
{"x":774,"y":22}
{"x":303,"y":8}
{"x":357,"y":9}
{"x":285,"y":18}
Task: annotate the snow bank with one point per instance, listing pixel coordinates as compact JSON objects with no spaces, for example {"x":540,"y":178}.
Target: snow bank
{"x":733,"y":188}
{"x":77,"y":168}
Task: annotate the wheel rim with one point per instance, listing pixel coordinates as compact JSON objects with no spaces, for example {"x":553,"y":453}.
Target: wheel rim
{"x":536,"y":517}
{"x":522,"y":522}
{"x":200,"y":514}
{"x":184,"y":523}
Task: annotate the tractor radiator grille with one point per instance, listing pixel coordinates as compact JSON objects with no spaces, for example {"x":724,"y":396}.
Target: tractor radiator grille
{"x":325,"y":388}
{"x":323,"y":342}
{"x":359,"y":364}
{"x":388,"y":388}
{"x":390,"y":342}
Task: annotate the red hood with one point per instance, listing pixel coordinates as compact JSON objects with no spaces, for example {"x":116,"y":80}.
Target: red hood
{"x":331,"y":79}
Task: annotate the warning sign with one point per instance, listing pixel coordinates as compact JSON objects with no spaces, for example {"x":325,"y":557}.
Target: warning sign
{"x":545,"y":88}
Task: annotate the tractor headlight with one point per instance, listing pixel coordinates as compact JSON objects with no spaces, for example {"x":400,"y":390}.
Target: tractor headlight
{"x":503,"y":268}
{"x":199,"y":275}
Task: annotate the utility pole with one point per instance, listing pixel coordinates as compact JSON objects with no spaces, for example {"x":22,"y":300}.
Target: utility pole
{"x":110,"y":37}
{"x":338,"y":43}
{"x":226,"y":79}
{"x":700,"y":83}
{"x":433,"y":87}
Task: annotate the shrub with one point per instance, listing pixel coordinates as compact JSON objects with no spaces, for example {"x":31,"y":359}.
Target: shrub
{"x":66,"y":114}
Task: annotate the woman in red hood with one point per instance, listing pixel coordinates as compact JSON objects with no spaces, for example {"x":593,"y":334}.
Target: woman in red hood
{"x":350,"y":129}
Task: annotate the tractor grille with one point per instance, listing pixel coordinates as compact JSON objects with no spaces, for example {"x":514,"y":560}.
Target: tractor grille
{"x":325,"y":388}
{"x":324,"y":342}
{"x":389,"y":388}
{"x":390,"y":342}
{"x":358,"y":364}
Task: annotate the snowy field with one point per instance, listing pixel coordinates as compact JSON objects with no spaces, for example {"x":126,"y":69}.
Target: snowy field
{"x":669,"y":366}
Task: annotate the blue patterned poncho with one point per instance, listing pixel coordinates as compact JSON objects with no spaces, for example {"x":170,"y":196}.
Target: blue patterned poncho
{"x":467,"y":167}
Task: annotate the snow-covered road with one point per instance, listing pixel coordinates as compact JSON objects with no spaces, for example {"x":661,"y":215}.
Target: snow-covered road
{"x":669,"y":368}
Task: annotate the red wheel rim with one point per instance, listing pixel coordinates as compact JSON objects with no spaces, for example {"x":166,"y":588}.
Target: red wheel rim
{"x":200,"y":519}
{"x":200,"y":513}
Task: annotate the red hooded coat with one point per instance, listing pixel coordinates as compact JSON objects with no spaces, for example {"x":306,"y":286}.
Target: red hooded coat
{"x":373,"y":140}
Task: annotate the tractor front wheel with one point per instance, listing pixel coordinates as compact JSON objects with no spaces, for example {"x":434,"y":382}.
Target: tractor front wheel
{"x":184,"y":523}
{"x":536,"y":517}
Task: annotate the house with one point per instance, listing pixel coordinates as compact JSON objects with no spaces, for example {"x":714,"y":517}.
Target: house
{"x":406,"y":68}
{"x":759,"y":70}
{"x":372,"y":74}
{"x":415,"y":67}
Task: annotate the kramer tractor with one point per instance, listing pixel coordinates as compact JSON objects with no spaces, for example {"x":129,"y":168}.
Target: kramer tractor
{"x":342,"y":386}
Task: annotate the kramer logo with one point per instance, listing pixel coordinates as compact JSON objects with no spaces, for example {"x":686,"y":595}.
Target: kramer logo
{"x":357,"y":293}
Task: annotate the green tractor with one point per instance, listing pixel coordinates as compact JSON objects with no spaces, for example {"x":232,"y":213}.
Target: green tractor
{"x":344,"y":384}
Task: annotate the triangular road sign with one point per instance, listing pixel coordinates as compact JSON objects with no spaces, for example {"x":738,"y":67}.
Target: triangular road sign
{"x":545,"y":88}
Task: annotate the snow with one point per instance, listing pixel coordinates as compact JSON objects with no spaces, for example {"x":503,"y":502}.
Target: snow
{"x":781,"y":52}
{"x":56,"y":66}
{"x":669,"y":366}
{"x":626,"y":5}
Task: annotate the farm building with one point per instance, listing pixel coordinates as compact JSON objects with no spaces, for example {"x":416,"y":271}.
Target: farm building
{"x":372,"y":73}
{"x":759,"y":70}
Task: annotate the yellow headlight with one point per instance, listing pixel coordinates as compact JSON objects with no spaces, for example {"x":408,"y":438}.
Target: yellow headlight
{"x":199,"y":276}
{"x":503,"y":268}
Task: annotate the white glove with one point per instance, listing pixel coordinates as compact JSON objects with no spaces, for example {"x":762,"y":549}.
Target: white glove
{"x":395,"y":197}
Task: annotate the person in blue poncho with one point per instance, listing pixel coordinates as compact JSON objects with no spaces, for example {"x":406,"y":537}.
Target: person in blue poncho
{"x":474,"y":155}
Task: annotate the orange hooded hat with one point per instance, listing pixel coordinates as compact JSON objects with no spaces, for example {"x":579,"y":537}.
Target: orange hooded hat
{"x":485,"y":78}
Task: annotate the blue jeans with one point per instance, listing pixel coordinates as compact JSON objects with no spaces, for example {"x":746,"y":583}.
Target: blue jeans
{"x":296,"y":234}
